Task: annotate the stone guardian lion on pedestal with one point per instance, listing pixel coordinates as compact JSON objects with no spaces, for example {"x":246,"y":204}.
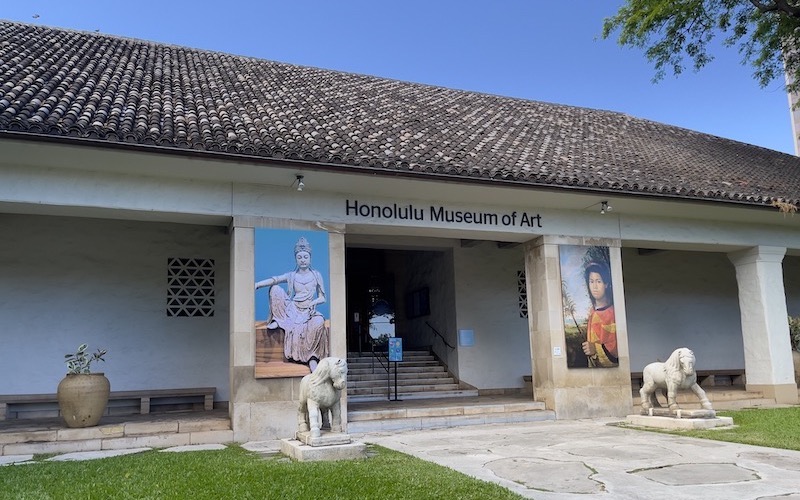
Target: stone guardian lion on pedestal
{"x":320,"y":392}
{"x":676,"y":373}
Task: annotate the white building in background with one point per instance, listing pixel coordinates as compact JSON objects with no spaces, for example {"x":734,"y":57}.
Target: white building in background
{"x":136,"y":177}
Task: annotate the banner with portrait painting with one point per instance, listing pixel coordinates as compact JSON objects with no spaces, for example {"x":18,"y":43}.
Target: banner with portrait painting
{"x":587,"y":296}
{"x":292,"y":312}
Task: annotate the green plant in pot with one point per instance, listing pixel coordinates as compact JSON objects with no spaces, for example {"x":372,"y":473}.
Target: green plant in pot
{"x":83,"y":395}
{"x":794,"y":338}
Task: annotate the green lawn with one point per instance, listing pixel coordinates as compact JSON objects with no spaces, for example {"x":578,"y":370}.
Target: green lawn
{"x":773,"y":427}
{"x":237,"y":473}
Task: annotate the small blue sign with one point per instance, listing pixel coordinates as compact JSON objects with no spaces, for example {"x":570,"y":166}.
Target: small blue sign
{"x":395,"y":349}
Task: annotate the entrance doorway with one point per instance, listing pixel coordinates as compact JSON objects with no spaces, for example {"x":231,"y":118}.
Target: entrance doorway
{"x":398,"y":293}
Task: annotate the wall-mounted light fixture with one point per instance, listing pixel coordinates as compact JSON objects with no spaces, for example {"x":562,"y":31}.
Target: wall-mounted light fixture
{"x":605,"y":207}
{"x":300,"y":183}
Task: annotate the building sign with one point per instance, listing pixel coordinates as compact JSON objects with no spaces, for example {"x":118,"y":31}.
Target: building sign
{"x":395,"y":349}
{"x":439,"y":213}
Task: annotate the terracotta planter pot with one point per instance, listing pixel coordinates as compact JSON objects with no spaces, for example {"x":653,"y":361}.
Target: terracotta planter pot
{"x":82,"y":398}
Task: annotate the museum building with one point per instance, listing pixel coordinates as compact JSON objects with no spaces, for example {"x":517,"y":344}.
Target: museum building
{"x":151,"y":194}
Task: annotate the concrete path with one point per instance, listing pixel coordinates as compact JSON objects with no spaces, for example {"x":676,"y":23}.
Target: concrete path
{"x":588,"y":459}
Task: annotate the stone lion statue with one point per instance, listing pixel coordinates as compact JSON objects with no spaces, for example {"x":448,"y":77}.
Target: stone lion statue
{"x":674,"y":374}
{"x":320,"y":392}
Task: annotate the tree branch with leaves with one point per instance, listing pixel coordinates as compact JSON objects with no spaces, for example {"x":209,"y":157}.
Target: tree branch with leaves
{"x":766,"y":34}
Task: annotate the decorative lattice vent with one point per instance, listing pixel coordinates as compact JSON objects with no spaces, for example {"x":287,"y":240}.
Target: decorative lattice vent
{"x":523,"y":294}
{"x":190,"y":287}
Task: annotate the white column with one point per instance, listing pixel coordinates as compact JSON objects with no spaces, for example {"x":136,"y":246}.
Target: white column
{"x":765,"y":328}
{"x":338,"y":304}
{"x":242,"y":333}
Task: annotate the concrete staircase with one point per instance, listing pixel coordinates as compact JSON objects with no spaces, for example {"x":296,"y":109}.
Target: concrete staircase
{"x":415,"y":414}
{"x":427,"y":397}
{"x":419,"y":376}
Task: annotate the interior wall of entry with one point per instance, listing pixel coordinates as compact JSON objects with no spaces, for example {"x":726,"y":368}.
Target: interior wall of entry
{"x":682,"y":299}
{"x":488,"y":304}
{"x":68,"y":281}
{"x":475,"y":288}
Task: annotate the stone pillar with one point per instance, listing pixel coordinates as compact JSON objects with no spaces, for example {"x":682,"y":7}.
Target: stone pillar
{"x":572,"y":392}
{"x":765,"y":328}
{"x":338,"y":301}
{"x":266,"y":408}
{"x":242,"y":312}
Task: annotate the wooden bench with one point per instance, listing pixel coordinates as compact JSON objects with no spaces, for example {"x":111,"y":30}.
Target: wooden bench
{"x":144,"y":398}
{"x":706,"y":378}
{"x":711,"y":378}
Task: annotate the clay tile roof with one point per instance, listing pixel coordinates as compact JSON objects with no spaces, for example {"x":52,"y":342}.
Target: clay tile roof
{"x":91,"y":86}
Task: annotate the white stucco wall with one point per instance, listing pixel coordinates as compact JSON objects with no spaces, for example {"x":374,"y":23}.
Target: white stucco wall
{"x":682,"y":299}
{"x":67,"y":281}
{"x":487,"y":302}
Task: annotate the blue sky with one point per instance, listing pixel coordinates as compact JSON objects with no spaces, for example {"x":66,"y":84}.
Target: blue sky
{"x":532,"y":49}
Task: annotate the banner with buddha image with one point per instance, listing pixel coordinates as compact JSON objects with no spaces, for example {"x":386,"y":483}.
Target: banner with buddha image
{"x":292,"y":312}
{"x":590,"y":327}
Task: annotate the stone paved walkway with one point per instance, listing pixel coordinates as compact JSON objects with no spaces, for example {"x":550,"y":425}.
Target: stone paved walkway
{"x":588,"y":459}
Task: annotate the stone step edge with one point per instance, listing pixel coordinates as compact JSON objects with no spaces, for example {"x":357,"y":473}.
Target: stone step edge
{"x":109,"y":431}
{"x":401,"y":365}
{"x":404,"y":389}
{"x":447,"y":411}
{"x":368,"y":370}
{"x":418,"y":423}
{"x":364,"y":384}
{"x":400,"y":377}
{"x":368,"y":354}
{"x":406,"y":357}
{"x":465,"y":393}
{"x":164,"y":440}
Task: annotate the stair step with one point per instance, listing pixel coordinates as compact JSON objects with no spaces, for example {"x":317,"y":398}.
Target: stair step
{"x":390,"y":419}
{"x":403,"y":364}
{"x":365,"y":398}
{"x":360,"y":363}
{"x":368,"y":354}
{"x":400,"y":376}
{"x":370,"y":382}
{"x":440,"y":411}
{"x":437,"y":388}
{"x":446,"y":384}
{"x":400,"y":370}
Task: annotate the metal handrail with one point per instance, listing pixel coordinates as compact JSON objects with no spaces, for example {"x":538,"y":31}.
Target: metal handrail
{"x":380,"y":356}
{"x":439,"y":335}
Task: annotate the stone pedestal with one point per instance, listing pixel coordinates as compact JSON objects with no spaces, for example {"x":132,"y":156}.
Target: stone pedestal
{"x":325,"y":439}
{"x":673,"y":423}
{"x":666,"y":412}
{"x":328,"y":446}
